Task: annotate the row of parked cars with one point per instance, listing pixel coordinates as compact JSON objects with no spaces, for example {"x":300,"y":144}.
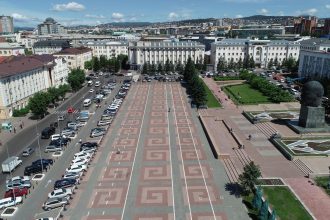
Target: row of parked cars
{"x":64,"y":188}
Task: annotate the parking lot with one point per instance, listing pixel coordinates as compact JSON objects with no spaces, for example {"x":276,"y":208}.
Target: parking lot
{"x":154,"y":164}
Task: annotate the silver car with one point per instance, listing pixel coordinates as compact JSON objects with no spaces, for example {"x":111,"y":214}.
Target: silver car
{"x":53,"y":148}
{"x":60,"y":193}
{"x":53,"y":203}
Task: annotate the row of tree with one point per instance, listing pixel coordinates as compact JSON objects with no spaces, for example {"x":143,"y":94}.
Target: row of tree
{"x":196,"y":86}
{"x":114,"y":64}
{"x":290,"y":64}
{"x":223,"y":65}
{"x":275,"y":93}
{"x":40,"y":101}
{"x":151,"y":69}
{"x":76,"y":78}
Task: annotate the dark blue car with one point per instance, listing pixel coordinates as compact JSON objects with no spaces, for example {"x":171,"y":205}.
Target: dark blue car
{"x":63,"y":183}
{"x":44,"y":162}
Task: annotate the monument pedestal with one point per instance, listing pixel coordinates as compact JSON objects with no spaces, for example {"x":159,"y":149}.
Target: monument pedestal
{"x":312,"y":117}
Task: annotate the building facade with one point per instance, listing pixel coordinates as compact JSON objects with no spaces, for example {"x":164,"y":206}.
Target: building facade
{"x":262,"y":51}
{"x":50,"y":46}
{"x":50,"y":26}
{"x":159,"y":52}
{"x":21,"y":77}
{"x":314,"y":61}
{"x":11,"y":49}
{"x":110,"y":49}
{"x":75,"y":57}
{"x":6,"y":24}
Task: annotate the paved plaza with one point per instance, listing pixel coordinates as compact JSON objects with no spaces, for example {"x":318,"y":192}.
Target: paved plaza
{"x":155,"y":164}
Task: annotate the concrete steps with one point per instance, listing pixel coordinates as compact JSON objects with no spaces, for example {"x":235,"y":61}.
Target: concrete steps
{"x":231,"y":171}
{"x":302,"y":167}
{"x":266,"y":128}
{"x":242,"y":156}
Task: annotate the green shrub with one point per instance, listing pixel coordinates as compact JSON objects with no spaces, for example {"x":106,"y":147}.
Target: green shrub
{"x":226,"y":78}
{"x":20,"y":113}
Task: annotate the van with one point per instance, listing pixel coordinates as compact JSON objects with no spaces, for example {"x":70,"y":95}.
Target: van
{"x":47,"y":132}
{"x":87,"y":102}
{"x":90,"y":83}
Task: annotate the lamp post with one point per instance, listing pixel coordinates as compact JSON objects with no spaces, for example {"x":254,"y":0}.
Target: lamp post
{"x":329,"y":179}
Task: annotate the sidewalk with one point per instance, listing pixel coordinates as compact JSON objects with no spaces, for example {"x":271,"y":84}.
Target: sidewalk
{"x":6,"y":135}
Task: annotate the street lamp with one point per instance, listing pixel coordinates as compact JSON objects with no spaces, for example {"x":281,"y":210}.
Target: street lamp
{"x":329,"y":179}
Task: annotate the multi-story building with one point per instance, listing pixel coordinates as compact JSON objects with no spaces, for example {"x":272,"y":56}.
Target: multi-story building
{"x":76,"y":57}
{"x":50,"y":46}
{"x":259,"y":31}
{"x":314,"y":60}
{"x":110,"y":49}
{"x":159,"y":52}
{"x":50,"y":26}
{"x":262,"y":51}
{"x":305,"y":25}
{"x":23,"y":76}
{"x":10,"y":49}
{"x":6,"y":24}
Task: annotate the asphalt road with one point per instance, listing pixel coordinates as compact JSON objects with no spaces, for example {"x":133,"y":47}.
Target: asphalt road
{"x":32,"y":205}
{"x":28,"y":137}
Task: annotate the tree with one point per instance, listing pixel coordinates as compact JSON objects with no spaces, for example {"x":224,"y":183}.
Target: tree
{"x":270,"y":64}
{"x":251,"y":62}
{"x":171,"y":67}
{"x":117,"y":65}
{"x":88,"y":65}
{"x":160,"y":68}
{"x":257,"y":199}
{"x":53,"y":94}
{"x":96,"y":64}
{"x":63,"y":89}
{"x":38,"y":104}
{"x":76,"y":78}
{"x":249,"y":178}
{"x":152,"y":69}
{"x":189,"y":70}
{"x":240,"y":63}
{"x":231,"y":63}
{"x":263,"y":213}
{"x":103,"y":62}
{"x":27,"y":52}
{"x":123,"y":61}
{"x":246,"y":61}
{"x":221,"y":66}
{"x":179,"y":68}
{"x":276,"y":62}
{"x":145,"y":69}
{"x":205,"y":64}
{"x":167,"y":67}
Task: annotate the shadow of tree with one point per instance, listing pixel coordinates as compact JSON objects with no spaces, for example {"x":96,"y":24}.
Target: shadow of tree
{"x":233,"y":189}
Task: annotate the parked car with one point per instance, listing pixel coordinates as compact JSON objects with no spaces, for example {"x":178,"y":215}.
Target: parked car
{"x":64,"y":183}
{"x":103,"y":123}
{"x":60,"y":118}
{"x":96,"y":132}
{"x":47,"y":132}
{"x":57,"y":136}
{"x":55,"y":203}
{"x":18,"y":178}
{"x":33,"y":169}
{"x":67,"y":131}
{"x":53,"y":148}
{"x":21,"y":184}
{"x":88,"y":150}
{"x":8,"y":202}
{"x":60,"y":193}
{"x":76,"y":168}
{"x":72,"y":175}
{"x":16,"y":192}
{"x":46,"y":162}
{"x":89,"y":144}
{"x":79,"y":161}
{"x":70,"y":110}
{"x":83,"y":154}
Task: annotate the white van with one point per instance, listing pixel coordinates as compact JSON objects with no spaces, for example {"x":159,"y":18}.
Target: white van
{"x":90,"y":83}
{"x":87,"y":102}
{"x":97,"y":83}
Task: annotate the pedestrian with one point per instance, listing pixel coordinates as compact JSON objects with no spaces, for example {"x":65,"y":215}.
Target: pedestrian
{"x":14,"y":130}
{"x":231,"y":130}
{"x":10,"y":129}
{"x":21,"y":126}
{"x":250,"y":137}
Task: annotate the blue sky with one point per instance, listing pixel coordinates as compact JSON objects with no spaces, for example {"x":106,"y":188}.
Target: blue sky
{"x":91,"y":12}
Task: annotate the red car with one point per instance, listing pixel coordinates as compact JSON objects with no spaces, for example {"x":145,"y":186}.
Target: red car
{"x":17,"y":192}
{"x":70,"y":110}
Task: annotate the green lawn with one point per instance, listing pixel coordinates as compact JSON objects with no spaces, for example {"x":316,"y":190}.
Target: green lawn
{"x":244,"y":94}
{"x":323,"y":182}
{"x":287,"y":206}
{"x":212,"y":102}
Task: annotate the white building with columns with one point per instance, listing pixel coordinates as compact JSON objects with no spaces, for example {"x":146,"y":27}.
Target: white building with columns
{"x":21,"y":77}
{"x":314,"y":61}
{"x":110,"y":49}
{"x":262,"y":51}
{"x":158,"y":52}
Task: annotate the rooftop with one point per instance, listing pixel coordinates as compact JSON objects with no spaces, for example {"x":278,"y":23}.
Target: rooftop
{"x":52,"y":43}
{"x":74,"y":51}
{"x":6,"y":45}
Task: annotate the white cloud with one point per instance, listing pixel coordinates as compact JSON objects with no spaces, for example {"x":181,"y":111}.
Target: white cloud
{"x":263,"y":11}
{"x":173,"y":16}
{"x":117,"y":17}
{"x":133,"y":19}
{"x":281,"y":13}
{"x":23,"y":18}
{"x":94,"y":16}
{"x":239,"y":16}
{"x":71,"y":6}
{"x":311,"y":11}
{"x":327,"y":6}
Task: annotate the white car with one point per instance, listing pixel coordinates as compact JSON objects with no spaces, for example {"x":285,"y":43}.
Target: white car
{"x":83,"y":154}
{"x":7,"y":202}
{"x":89,"y":150}
{"x":60,"y":193}
{"x":57,"y":136}
{"x":18,"y":179}
{"x":73,"y":175}
{"x":76,"y":168}
{"x":79,"y":161}
{"x":91,"y":90}
{"x":57,"y":154}
{"x":60,"y":118}
{"x":103,"y":123}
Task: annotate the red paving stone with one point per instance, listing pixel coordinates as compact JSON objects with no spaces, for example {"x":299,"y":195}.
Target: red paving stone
{"x":154,"y":196}
{"x":154,"y":217}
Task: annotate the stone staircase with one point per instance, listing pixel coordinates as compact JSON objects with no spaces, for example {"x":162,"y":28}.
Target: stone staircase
{"x":242,"y":156}
{"x":231,"y":171}
{"x":266,"y":128}
{"x":302,"y":167}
